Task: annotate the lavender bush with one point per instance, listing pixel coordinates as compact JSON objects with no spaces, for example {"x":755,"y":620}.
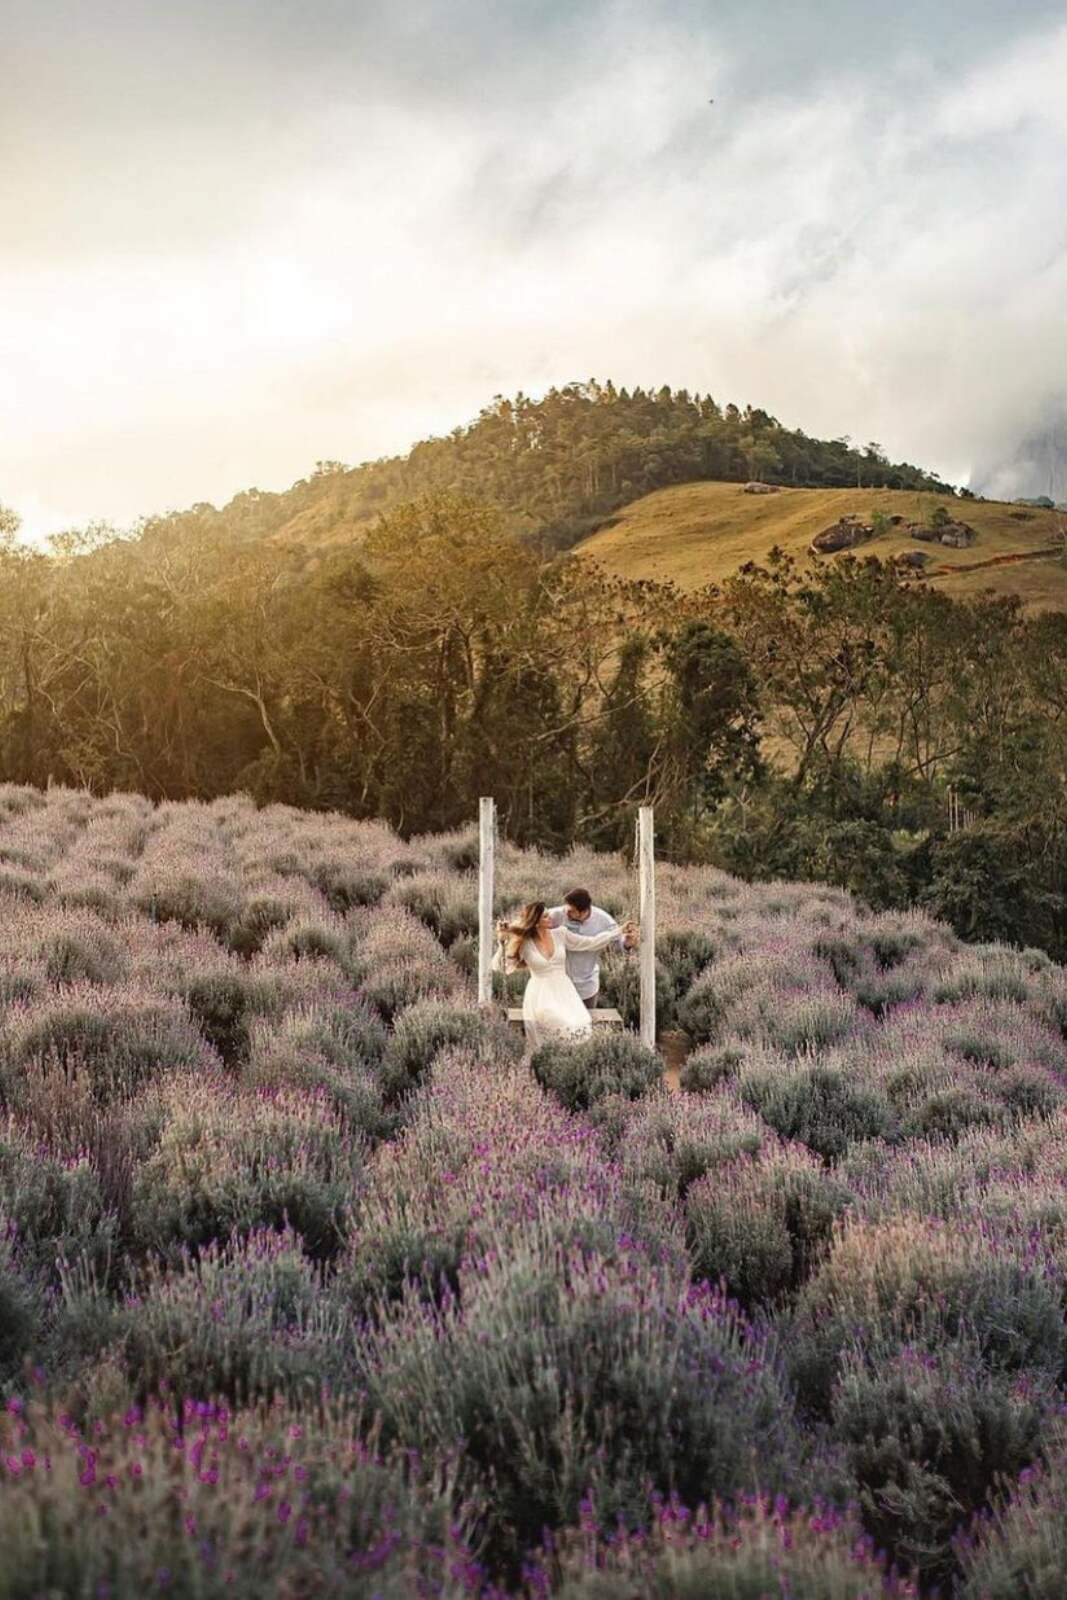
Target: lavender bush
{"x":559,"y":1372}
{"x":1021,"y":1549}
{"x":930,"y":1435}
{"x":581,"y":1074}
{"x":753,"y":1548}
{"x":198,"y":1499}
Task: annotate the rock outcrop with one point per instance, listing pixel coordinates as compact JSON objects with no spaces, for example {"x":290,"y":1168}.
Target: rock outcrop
{"x":958,"y":535}
{"x":850,"y":530}
{"x":845,"y":534}
{"x":760,"y":488}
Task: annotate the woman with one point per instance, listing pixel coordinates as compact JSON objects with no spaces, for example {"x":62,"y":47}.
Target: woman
{"x":551,"y":1007}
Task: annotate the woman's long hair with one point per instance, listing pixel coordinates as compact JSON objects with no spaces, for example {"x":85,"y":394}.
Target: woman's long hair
{"x":523,"y":928}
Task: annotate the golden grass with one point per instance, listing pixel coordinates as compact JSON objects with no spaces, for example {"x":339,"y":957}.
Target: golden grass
{"x":699,"y":533}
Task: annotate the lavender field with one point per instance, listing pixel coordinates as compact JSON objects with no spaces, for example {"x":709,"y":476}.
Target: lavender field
{"x":313,"y":1285}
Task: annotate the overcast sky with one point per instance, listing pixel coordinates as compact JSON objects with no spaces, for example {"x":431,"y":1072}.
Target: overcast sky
{"x":237,"y":236}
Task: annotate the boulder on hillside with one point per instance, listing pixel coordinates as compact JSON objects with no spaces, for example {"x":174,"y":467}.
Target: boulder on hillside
{"x":760,"y":488}
{"x":912,"y":560}
{"x":960,"y":535}
{"x":844,"y":534}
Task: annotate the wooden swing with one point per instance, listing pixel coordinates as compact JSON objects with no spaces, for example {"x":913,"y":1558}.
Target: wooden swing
{"x":603,"y":1016}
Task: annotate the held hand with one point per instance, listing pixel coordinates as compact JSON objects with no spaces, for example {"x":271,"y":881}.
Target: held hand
{"x":502,"y":931}
{"x":631,"y":935}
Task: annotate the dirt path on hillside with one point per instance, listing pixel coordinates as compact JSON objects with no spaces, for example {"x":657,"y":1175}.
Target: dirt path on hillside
{"x":946,"y":570}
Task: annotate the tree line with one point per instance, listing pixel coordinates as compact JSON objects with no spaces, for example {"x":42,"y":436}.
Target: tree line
{"x":555,"y":467}
{"x":794,"y":723}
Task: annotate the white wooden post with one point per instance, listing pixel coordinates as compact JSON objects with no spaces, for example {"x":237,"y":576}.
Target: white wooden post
{"x":646,"y":866}
{"x":486,"y":923}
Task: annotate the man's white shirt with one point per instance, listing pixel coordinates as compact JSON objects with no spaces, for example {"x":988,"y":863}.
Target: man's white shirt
{"x":583,"y":966}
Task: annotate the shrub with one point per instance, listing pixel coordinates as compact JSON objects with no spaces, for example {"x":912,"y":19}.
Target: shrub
{"x":884,"y":990}
{"x":752,"y":1550}
{"x":277,"y":987}
{"x":57,"y":1208}
{"x":219,"y":1001}
{"x":927,"y":1434}
{"x":346,"y":884}
{"x":448,"y":906}
{"x":399,"y":962}
{"x":793,"y":1020}
{"x":245,"y":1319}
{"x":322,"y":938}
{"x":561,"y":1375}
{"x":910,"y":1280}
{"x":394,"y":985}
{"x":119,"y":1038}
{"x":1021,"y":1551}
{"x":458,"y":851}
{"x":702,"y":1010}
{"x":21,"y":885}
{"x":17,"y":982}
{"x":892,"y":945}
{"x":948,"y":1114}
{"x":228,"y":1165}
{"x":20,"y":1311}
{"x":81,"y":952}
{"x":762,"y":1222}
{"x":621,"y":987}
{"x":260,"y":915}
{"x":671,"y":1140}
{"x":706,"y":1069}
{"x":198,"y":1499}
{"x":335,"y":1049}
{"x":424,"y":1030}
{"x":404,"y":1252}
{"x":192,"y":899}
{"x":819,"y":1105}
{"x":684,"y":954}
{"x":607,"y":1064}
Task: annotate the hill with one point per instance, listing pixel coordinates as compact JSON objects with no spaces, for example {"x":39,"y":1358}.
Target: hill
{"x":555,"y":467}
{"x":699,"y":533}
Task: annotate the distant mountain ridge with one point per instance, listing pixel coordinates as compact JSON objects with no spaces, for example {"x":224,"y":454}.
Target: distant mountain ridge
{"x":556,"y":467}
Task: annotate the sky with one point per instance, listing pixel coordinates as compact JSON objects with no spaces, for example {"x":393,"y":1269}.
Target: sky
{"x":241,"y":236}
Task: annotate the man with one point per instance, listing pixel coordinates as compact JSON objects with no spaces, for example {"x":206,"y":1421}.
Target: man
{"x":580,"y":915}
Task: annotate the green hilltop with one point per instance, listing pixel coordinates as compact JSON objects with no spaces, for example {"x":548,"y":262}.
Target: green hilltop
{"x":556,"y":467}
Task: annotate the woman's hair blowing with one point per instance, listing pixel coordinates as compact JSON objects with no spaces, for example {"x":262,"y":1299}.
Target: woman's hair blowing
{"x":524,"y":927}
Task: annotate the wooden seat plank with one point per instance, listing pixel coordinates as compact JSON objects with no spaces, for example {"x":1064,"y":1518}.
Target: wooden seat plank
{"x":603,"y":1016}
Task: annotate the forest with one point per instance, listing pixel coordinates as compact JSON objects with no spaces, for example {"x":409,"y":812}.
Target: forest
{"x":802,"y":724}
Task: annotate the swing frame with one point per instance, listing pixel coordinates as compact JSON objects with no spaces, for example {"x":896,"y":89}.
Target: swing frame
{"x":646,"y":880}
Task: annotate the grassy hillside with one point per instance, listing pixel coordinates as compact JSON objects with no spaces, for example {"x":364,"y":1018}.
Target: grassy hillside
{"x":698,"y":533}
{"x":311,"y":1283}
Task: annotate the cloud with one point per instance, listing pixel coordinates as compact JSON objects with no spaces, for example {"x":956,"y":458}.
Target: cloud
{"x":238,"y":241}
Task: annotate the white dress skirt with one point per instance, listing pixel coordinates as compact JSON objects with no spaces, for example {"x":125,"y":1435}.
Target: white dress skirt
{"x":552,"y":1008}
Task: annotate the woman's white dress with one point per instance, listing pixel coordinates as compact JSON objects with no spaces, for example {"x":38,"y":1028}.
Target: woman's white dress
{"x":552,"y":1008}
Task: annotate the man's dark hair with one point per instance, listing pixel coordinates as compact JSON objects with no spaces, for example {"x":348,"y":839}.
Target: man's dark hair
{"x":580,"y":899}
